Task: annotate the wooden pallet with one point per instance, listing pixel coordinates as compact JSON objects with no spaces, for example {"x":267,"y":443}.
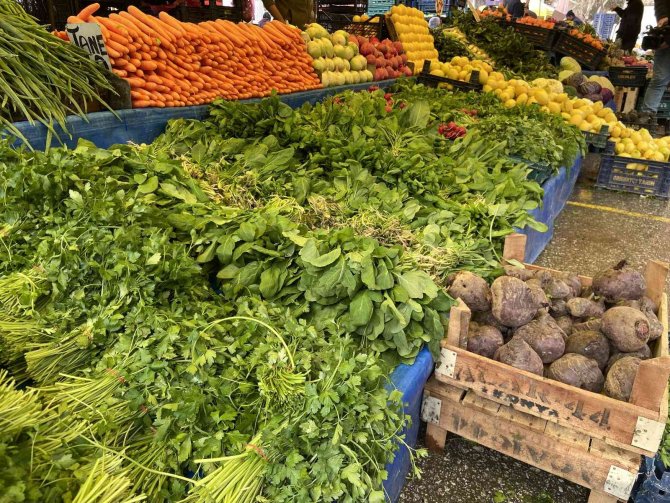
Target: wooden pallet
{"x":625,"y":98}
{"x":636,"y":426}
{"x":608,"y":471}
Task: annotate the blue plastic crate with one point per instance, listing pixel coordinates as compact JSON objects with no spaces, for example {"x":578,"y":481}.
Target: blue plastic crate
{"x":378,"y":7}
{"x":654,"y":483}
{"x":426,"y":6}
{"x":599,"y":139}
{"x":640,"y":176}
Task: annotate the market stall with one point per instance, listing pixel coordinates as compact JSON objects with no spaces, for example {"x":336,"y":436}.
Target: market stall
{"x":240,"y":287}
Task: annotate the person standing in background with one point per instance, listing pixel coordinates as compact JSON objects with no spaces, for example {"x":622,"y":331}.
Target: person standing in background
{"x":631,"y":23}
{"x":571,"y":18}
{"x":661,"y":77}
{"x":515,"y":8}
{"x":295,"y":12}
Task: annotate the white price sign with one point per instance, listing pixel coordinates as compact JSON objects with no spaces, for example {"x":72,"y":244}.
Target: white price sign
{"x":89,"y":37}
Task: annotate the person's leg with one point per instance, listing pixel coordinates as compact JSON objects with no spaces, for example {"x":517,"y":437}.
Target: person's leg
{"x":659,"y":81}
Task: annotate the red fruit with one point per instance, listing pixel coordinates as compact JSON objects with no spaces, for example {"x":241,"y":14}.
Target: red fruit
{"x":378,"y":54}
{"x":380,"y":62}
{"x":404,"y":58}
{"x":362,"y":40}
{"x":378,"y":74}
{"x":388,"y":108}
{"x":374,"y":40}
{"x":373,"y":88}
{"x":388,"y":96}
{"x":353,"y":39}
{"x":407,"y":71}
{"x":395,"y":63}
{"x":398,"y":47}
{"x":402,"y":105}
{"x":384,"y":49}
{"x":367,"y":48}
{"x":371,"y":59}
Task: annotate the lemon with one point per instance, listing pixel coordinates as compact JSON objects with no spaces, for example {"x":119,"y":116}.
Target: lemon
{"x":522,"y":99}
{"x":510,"y":103}
{"x":620,"y":148}
{"x":541,"y":96}
{"x":554,"y":108}
{"x":576,"y":120}
{"x":487,"y":88}
{"x":437,"y":73}
{"x":615,"y":132}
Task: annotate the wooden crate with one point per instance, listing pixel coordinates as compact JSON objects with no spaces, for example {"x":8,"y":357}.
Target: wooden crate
{"x":625,"y":98}
{"x":608,"y":471}
{"x":636,"y":426}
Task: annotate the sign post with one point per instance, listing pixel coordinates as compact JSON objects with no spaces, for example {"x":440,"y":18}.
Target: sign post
{"x":88,"y":36}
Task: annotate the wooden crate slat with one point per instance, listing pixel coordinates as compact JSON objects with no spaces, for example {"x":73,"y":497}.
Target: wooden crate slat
{"x":526,"y":420}
{"x":568,"y":435}
{"x":596,"y":415}
{"x":607,"y":451}
{"x":477,"y":402}
{"x":565,"y":460}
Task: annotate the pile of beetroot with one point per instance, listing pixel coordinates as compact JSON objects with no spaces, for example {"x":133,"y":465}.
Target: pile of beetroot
{"x":546,"y":323}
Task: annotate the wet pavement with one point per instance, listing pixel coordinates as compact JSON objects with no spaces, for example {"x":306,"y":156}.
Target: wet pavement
{"x":469,"y":473}
{"x":596,"y":230}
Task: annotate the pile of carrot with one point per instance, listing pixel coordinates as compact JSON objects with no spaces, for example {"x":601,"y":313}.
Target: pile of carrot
{"x":169,"y":63}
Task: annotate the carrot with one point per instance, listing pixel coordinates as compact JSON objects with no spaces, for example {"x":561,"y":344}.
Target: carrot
{"x":171,"y":21}
{"x":75,"y":20}
{"x":113,"y":52}
{"x":137,"y":95}
{"x":130,"y":68}
{"x":134,"y":61}
{"x":117,"y":38}
{"x":131,"y":27}
{"x":120,"y":73}
{"x":114,"y":27}
{"x":152,"y":22}
{"x":111,"y":44}
{"x":142,"y":103}
{"x":136,"y":83}
{"x":148,"y":65}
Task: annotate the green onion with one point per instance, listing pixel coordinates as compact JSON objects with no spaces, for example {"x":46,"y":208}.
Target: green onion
{"x":42,"y":78}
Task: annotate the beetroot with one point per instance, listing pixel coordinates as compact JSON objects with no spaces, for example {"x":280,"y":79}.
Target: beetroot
{"x":577,"y":370}
{"x":484,"y":340}
{"x":626,"y":328}
{"x":619,"y":283}
{"x":472,"y":289}
{"x":580,"y":307}
{"x":590,"y":344}
{"x":520,"y":355}
{"x":620,"y":378}
{"x":512,"y":301}
{"x":545,"y":337}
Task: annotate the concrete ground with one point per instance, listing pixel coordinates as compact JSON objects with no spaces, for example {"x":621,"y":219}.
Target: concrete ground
{"x":596,"y":230}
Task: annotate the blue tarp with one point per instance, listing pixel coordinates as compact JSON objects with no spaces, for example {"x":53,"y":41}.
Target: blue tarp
{"x":557,"y":191}
{"x":410,"y":379}
{"x":143,"y":125}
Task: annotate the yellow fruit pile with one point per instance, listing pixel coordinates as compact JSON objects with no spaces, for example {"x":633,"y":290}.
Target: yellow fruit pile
{"x":460,"y":68}
{"x":474,"y":50}
{"x":639,"y":144}
{"x":581,"y":112}
{"x":412,"y":30}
